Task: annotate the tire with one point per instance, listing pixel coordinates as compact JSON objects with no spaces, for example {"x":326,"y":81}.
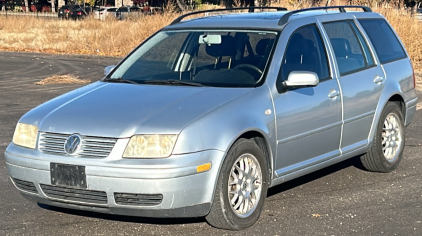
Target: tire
{"x":390,"y":131}
{"x":223,"y":214}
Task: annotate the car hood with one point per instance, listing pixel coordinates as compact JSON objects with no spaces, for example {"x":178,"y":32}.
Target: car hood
{"x":121,"y":110}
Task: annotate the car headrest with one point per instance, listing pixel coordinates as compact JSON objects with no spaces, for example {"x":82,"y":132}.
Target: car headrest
{"x":226,"y":48}
{"x":341,"y":47}
{"x":262,"y":46}
{"x":297,"y":45}
{"x":310,"y":44}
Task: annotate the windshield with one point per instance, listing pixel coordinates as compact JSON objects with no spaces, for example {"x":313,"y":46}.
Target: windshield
{"x":208,"y":58}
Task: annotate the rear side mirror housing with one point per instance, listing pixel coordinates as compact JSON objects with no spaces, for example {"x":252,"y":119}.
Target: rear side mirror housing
{"x":302,"y":79}
{"x":108,"y":69}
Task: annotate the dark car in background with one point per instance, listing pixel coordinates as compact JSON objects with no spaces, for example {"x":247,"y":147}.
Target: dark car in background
{"x":65,"y":12}
{"x":82,"y":12}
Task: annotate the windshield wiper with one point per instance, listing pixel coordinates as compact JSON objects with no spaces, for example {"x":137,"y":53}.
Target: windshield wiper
{"x":172,"y":82}
{"x":119,"y":80}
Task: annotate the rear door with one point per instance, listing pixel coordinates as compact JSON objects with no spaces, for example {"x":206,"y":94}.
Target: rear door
{"x":360,"y":75}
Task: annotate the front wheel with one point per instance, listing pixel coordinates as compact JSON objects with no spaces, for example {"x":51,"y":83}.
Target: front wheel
{"x":388,"y":144}
{"x":241,"y":187}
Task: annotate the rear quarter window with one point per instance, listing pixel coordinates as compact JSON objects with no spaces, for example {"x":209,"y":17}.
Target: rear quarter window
{"x":386,"y":44}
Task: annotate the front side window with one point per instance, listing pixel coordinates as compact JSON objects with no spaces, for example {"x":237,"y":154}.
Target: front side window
{"x":305,"y":52}
{"x":209,"y":58}
{"x":351,"y":51}
{"x":385,"y":42}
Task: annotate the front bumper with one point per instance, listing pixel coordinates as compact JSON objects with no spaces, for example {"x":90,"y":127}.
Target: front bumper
{"x":185,"y":193}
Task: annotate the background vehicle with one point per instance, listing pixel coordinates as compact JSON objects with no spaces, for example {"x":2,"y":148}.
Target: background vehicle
{"x":66,"y":11}
{"x":127,"y":12}
{"x":419,"y":13}
{"x":81,"y":12}
{"x":100,"y":14}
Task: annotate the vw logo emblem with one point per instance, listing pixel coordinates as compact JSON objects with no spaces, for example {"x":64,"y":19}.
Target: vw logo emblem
{"x":73,"y":143}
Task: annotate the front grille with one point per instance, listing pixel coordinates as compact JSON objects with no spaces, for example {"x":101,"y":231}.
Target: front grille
{"x":25,"y":185}
{"x":74,"y":194}
{"x":138,"y":199}
{"x":96,"y":147}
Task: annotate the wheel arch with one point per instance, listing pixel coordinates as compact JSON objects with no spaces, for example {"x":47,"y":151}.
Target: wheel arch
{"x":264,"y":145}
{"x":395,"y":97}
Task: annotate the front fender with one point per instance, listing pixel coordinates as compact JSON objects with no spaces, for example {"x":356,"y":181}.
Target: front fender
{"x":221,"y":127}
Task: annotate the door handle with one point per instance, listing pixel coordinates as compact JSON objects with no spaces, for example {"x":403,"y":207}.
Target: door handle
{"x":378,"y":79}
{"x":333,"y":93}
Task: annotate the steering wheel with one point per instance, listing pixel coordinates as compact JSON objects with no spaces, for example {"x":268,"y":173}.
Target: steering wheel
{"x":248,"y":66}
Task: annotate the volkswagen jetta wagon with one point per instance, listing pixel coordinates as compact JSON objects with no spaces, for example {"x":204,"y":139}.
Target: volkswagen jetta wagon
{"x":208,"y":113}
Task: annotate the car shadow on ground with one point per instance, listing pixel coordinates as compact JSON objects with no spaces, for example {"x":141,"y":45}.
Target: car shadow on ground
{"x":130,"y":219}
{"x":355,"y":161}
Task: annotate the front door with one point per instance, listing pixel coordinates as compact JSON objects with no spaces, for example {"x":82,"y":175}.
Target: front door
{"x":308,"y":119}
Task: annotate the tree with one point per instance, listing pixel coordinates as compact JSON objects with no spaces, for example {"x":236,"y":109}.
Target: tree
{"x":26,"y":6}
{"x":181,"y":5}
{"x":53,"y":6}
{"x":89,"y":2}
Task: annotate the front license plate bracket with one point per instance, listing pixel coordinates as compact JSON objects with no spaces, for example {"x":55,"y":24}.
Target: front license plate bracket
{"x":68,"y":175}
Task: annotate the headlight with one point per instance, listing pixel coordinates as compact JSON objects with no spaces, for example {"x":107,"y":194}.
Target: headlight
{"x":150,"y":146}
{"x":25,"y":135}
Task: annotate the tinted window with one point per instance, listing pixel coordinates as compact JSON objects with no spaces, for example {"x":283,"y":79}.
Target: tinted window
{"x":384,"y":40}
{"x":346,"y":46}
{"x":369,"y":60}
{"x":305,"y":52}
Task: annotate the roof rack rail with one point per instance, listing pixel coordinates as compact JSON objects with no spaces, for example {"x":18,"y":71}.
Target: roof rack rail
{"x":285,"y":18}
{"x":251,"y":9}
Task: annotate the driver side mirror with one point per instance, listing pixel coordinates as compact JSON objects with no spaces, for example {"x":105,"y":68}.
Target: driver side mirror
{"x":108,"y":69}
{"x":302,"y":78}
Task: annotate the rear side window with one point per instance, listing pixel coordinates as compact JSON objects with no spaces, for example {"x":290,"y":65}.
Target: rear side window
{"x":352,"y":53}
{"x":365,"y":47}
{"x":384,"y":40}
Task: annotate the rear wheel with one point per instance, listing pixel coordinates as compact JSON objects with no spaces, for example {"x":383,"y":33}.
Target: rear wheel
{"x":387,"y":149}
{"x":241,"y":187}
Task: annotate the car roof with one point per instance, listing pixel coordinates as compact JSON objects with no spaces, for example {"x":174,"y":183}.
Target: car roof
{"x":255,"y":20}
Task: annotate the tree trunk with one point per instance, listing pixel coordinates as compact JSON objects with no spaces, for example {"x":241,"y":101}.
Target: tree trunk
{"x":26,"y":6}
{"x":181,"y":5}
{"x":53,"y":6}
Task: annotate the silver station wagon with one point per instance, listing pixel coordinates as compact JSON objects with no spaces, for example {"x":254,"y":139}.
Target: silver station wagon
{"x":208,"y":113}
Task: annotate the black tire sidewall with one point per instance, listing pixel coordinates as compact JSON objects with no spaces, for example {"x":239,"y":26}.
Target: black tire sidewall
{"x":239,"y":148}
{"x":390,"y":108}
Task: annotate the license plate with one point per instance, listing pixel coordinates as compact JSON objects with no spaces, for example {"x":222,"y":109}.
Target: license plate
{"x":68,"y":175}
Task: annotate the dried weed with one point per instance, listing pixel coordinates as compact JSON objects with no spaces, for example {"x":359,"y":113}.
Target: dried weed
{"x":62,"y":79}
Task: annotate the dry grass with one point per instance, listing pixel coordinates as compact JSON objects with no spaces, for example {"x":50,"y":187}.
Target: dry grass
{"x":90,"y":36}
{"x":117,"y":38}
{"x":62,"y":79}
